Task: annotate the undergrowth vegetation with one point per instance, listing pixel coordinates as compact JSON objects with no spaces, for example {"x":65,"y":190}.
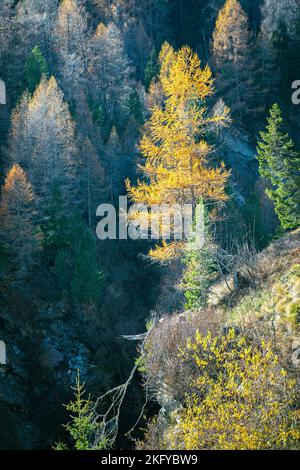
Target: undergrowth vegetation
{"x":227,"y":376}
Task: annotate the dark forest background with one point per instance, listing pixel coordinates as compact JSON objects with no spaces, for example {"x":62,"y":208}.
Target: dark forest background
{"x":79,"y":76}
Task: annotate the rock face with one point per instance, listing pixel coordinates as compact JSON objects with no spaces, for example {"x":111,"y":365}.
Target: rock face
{"x":2,"y":92}
{"x":2,"y":353}
{"x":43,"y":358}
{"x":296,"y":353}
{"x":237,"y":149}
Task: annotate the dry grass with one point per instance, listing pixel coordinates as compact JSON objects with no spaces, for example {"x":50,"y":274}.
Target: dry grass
{"x":255,"y":270}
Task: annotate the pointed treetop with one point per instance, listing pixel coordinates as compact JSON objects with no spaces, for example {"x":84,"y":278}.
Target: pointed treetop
{"x":101,"y":30}
{"x":231,"y":30}
{"x":114,"y":136}
{"x":279,"y":162}
{"x":16,"y":176}
{"x":35,"y":67}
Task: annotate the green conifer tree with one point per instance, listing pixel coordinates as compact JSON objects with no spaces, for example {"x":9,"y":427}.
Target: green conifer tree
{"x":280,"y":164}
{"x":69,"y":246}
{"x":135,"y":107}
{"x":55,"y":225}
{"x":201,"y":267}
{"x":152,"y":69}
{"x":87,"y":278}
{"x":85,"y":429}
{"x":35,"y":68}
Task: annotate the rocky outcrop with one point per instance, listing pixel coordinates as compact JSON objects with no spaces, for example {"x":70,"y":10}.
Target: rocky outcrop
{"x":237,"y":149}
{"x":42,"y":362}
{"x":296,"y":353}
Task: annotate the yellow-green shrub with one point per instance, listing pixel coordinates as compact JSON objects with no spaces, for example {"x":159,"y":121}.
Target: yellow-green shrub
{"x":242,"y":398}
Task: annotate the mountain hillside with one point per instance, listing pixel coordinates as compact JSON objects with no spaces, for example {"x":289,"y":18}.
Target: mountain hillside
{"x":264,"y":306}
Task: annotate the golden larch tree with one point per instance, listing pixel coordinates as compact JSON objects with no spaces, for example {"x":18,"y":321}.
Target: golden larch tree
{"x":17,"y":213}
{"x":42,"y":141}
{"x":177,"y":161}
{"x":236,"y":65}
{"x":71,"y":40}
{"x":231,"y":35}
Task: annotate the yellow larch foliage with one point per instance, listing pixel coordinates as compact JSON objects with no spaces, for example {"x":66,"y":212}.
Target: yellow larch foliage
{"x":231,"y":31}
{"x":243,"y":399}
{"x":17,"y":218}
{"x":68,"y":6}
{"x":101,"y":30}
{"x":166,"y":251}
{"x":177,"y":162}
{"x":229,"y":10}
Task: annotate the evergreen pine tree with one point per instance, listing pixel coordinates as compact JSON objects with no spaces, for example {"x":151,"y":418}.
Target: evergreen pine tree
{"x":70,"y":248}
{"x":130,"y":138}
{"x":55,"y":227}
{"x":35,"y":68}
{"x":152,"y":69}
{"x":75,"y":265}
{"x":280,"y":164}
{"x":72,"y":259}
{"x":201,"y":267}
{"x":114,"y":164}
{"x":86,"y":430}
{"x":134,"y":107}
{"x":92,"y":181}
{"x":87,"y":279}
